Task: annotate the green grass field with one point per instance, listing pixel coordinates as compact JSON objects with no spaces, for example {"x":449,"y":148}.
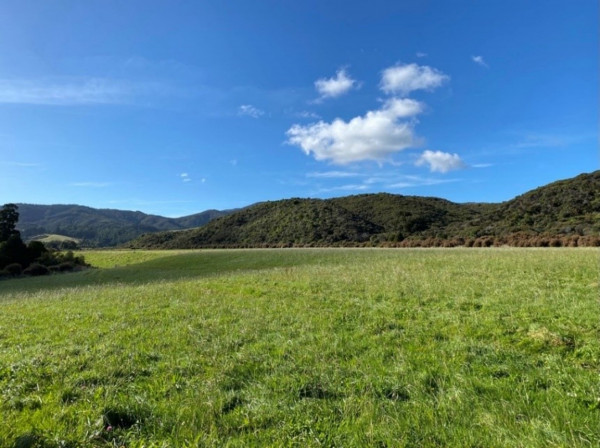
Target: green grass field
{"x":347,"y":347}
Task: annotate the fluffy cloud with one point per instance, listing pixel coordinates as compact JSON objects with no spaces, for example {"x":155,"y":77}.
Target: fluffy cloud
{"x":334,"y":87}
{"x":379,"y":133}
{"x":405,"y":78}
{"x":439,"y":161}
{"x":375,"y":136}
{"x":480,"y":61}
{"x":250,"y":111}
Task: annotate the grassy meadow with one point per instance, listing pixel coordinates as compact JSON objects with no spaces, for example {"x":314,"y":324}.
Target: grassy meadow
{"x":305,"y":347}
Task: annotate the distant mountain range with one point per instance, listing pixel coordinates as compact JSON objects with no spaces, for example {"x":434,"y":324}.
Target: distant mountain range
{"x":562,"y":213}
{"x":101,"y":227}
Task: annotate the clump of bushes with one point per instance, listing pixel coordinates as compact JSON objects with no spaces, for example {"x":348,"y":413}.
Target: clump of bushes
{"x":515,"y":240}
{"x":50,"y":261}
{"x":14,"y":269}
{"x":36,"y":269}
{"x":34,"y":259}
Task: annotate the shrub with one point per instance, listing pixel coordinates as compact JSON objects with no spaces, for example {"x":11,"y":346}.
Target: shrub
{"x":14,"y":269}
{"x":36,"y":269}
{"x":66,"y":266}
{"x":36,"y":249}
{"x":49,"y":258}
{"x":54,"y":258}
{"x":572,"y":241}
{"x":556,"y":242}
{"x":14,"y":250}
{"x":68,"y":245}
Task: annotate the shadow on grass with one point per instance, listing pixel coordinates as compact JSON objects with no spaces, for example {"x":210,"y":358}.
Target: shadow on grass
{"x":176,"y":267}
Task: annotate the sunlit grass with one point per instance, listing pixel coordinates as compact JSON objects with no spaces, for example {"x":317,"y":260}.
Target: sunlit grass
{"x":305,"y":348}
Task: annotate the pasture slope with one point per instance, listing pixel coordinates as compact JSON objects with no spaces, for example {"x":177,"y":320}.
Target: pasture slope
{"x":306,"y":347}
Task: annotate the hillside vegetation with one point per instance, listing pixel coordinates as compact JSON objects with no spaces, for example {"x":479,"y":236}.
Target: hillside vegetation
{"x":101,"y":227}
{"x":564,"y":213}
{"x":566,"y":207}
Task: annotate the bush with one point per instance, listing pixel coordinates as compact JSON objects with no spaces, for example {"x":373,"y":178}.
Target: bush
{"x":66,"y":266}
{"x":36,"y":269}
{"x":14,"y":250}
{"x":14,"y":269}
{"x":36,"y":249}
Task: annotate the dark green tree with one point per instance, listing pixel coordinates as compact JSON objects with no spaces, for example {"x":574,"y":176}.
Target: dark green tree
{"x":36,"y":249}
{"x":9,"y":216}
{"x":13,"y":250}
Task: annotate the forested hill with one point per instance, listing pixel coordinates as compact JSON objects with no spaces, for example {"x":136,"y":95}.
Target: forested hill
{"x":562,"y":213}
{"x":101,"y":227}
{"x":565,"y":207}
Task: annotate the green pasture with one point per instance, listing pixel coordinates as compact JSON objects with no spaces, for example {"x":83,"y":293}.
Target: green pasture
{"x":305,"y":347}
{"x":51,"y":238}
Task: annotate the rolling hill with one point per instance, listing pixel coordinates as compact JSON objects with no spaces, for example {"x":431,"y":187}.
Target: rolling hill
{"x":570,"y":206}
{"x":101,"y":227}
{"x":566,"y":212}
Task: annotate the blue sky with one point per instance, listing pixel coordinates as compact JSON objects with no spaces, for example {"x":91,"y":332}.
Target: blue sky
{"x":175,"y":107}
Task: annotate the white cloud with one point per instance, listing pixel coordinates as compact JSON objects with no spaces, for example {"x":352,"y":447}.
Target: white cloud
{"x":332,"y":174}
{"x":334,"y":87}
{"x":480,"y":61}
{"x":418,"y":181}
{"x":185,"y":177}
{"x":439,"y":161}
{"x":420,"y":54}
{"x":307,"y":114}
{"x":388,"y":180}
{"x":482,"y":165}
{"x":93,"y":91}
{"x":91,"y":184}
{"x":545,"y":140}
{"x":250,"y":111}
{"x":20,"y":164}
{"x":375,"y":136}
{"x":350,"y":187}
{"x":405,"y":78}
